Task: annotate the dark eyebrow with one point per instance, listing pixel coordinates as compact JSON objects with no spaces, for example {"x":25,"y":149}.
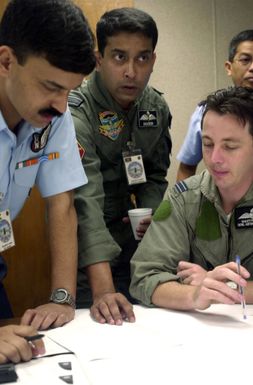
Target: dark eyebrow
{"x":117,"y":50}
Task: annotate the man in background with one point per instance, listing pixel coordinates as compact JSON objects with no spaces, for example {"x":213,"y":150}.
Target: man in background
{"x":122,"y":127}
{"x":46,"y":48}
{"x":240,"y":67}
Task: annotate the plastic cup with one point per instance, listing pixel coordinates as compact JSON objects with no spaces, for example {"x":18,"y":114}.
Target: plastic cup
{"x":135,"y":216}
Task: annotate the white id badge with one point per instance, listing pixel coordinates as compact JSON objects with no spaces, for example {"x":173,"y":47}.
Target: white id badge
{"x":134,"y":167}
{"x":6,"y":232}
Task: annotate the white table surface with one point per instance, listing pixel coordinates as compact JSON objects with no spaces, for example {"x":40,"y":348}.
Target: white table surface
{"x":161,"y":347}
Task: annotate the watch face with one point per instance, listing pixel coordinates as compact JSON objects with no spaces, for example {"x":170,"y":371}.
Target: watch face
{"x":135,"y":169}
{"x":60,"y":295}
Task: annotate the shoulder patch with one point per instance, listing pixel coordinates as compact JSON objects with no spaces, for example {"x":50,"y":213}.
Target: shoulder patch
{"x":74,"y":100}
{"x":163,"y":212}
{"x":181,"y":186}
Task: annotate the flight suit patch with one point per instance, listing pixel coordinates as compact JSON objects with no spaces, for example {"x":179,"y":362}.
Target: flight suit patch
{"x":208,"y":224}
{"x":81,"y":150}
{"x":244,"y":217}
{"x":163,"y":211}
{"x":147,"y":118}
{"x":111,"y":125}
{"x":40,"y":139}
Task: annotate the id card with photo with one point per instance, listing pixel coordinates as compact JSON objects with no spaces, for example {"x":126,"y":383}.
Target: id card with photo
{"x":134,"y":167}
{"x":6,"y":231}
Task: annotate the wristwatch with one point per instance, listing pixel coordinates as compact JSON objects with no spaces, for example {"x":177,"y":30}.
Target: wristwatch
{"x":62,"y":296}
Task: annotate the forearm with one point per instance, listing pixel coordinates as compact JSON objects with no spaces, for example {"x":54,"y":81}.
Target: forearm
{"x":63,"y":241}
{"x":173,"y":295}
{"x":100,"y":278}
{"x":185,"y":171}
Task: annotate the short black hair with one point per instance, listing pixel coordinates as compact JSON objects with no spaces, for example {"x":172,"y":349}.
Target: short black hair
{"x":242,"y":36}
{"x":54,"y":29}
{"x":237,"y":101}
{"x":130,"y":20}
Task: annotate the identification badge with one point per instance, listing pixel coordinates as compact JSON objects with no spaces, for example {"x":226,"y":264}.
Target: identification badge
{"x":134,"y":167}
{"x":6,"y":232}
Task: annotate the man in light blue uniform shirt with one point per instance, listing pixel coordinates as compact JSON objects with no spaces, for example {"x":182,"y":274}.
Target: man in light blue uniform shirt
{"x":240,"y":67}
{"x":46,"y":48}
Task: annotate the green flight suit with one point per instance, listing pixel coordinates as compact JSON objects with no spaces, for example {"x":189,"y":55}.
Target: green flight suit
{"x":191,"y":225}
{"x":103,"y":130}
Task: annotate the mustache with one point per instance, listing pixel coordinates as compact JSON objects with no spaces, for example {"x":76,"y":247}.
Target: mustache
{"x":50,"y":111}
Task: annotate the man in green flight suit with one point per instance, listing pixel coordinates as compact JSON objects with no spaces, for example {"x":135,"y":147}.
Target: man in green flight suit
{"x":187,"y":259}
{"x":122,"y":128}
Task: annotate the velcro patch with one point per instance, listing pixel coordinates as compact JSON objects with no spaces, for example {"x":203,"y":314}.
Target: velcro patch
{"x":163,"y":211}
{"x":208,"y":224}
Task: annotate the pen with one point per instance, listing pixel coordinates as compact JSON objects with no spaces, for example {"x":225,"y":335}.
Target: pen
{"x":33,"y":338}
{"x":241,"y":291}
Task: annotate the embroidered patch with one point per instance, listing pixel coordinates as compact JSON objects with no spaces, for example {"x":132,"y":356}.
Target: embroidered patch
{"x":81,"y":150}
{"x":208,"y":224}
{"x":244,"y":217}
{"x":163,"y":211}
{"x":111,"y":125}
{"x":40,"y":139}
{"x":147,"y":118}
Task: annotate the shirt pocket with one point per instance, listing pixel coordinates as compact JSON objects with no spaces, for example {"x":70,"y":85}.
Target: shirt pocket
{"x":26,"y":176}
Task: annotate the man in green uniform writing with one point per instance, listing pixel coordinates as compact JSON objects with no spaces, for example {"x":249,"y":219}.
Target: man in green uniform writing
{"x":187,"y":258}
{"x":122,"y":130}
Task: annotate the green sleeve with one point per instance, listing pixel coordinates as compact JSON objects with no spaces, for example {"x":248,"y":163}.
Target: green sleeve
{"x":95,"y":243}
{"x":164,"y":245}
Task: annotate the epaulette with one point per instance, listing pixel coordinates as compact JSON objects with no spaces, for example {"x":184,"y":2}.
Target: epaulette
{"x":180,"y":187}
{"x":74,"y":100}
{"x":157,"y":91}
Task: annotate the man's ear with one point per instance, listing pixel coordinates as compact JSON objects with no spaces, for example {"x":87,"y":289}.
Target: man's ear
{"x":99,"y":58}
{"x":228,"y":68}
{"x":6,"y":59}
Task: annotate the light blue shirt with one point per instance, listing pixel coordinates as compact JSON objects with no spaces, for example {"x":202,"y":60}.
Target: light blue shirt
{"x":51,"y":176}
{"x":191,"y":150}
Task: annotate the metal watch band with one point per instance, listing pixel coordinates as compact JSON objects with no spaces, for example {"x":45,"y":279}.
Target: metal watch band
{"x":62,"y":296}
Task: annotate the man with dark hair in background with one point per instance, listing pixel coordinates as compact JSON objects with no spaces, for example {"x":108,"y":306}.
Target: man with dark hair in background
{"x":240,"y":67}
{"x":122,"y":127}
{"x":46,"y":48}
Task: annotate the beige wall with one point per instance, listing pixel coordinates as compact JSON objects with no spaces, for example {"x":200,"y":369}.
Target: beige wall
{"x":192,"y":48}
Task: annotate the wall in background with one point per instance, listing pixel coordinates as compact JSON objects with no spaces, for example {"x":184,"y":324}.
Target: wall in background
{"x":192,"y":48}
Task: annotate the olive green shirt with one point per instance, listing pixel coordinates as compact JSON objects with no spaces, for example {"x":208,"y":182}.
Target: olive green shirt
{"x":103,"y":130}
{"x":191,"y":225}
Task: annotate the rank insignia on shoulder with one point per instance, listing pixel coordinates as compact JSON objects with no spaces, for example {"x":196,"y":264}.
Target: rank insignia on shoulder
{"x":147,"y":118}
{"x":74,"y":101}
{"x":81,"y":150}
{"x":181,"y":186}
